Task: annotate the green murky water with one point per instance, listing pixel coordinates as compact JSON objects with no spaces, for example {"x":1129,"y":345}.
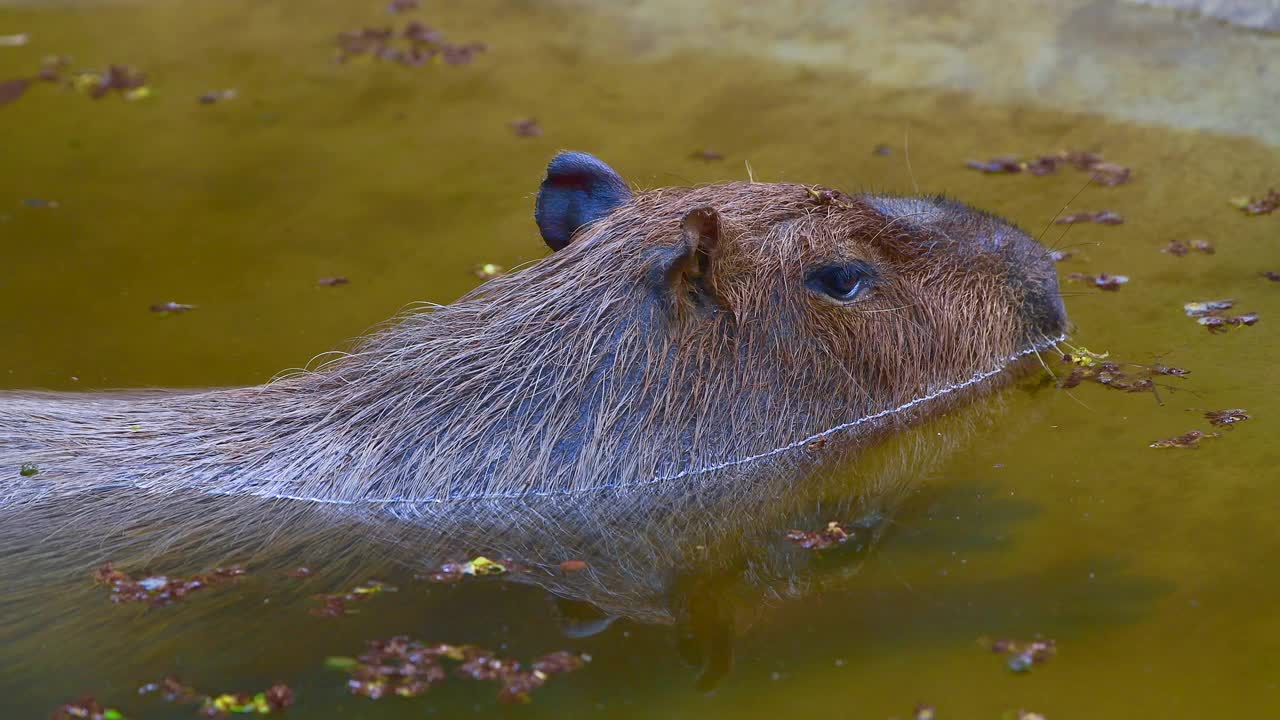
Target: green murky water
{"x":1037,"y":511}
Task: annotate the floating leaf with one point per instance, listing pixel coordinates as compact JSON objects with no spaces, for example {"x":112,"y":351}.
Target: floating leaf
{"x":340,"y":662}
{"x":415,"y":45}
{"x":1189,"y":439}
{"x":158,"y":590}
{"x":216,"y":96}
{"x":403,"y":667}
{"x":274,"y":699}
{"x":1180,"y":248}
{"x":1021,"y":657}
{"x":1101,"y":217}
{"x":11,"y":90}
{"x":373,"y":587}
{"x":833,"y":534}
{"x":87,"y":708}
{"x":336,"y":605}
{"x":1002,"y":165}
{"x":138,"y":93}
{"x":1263,"y":205}
{"x":1085,"y":357}
{"x":172,"y":689}
{"x":525,"y":127}
{"x":1206,"y":307}
{"x":1102,"y":281}
{"x":1128,"y":377}
{"x":1104,"y":173}
{"x":1218,"y":323}
{"x":483,"y":566}
{"x":1226,"y":417}
{"x":450,"y":572}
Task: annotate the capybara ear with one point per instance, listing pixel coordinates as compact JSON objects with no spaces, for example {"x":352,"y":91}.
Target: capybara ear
{"x":694,"y":268}
{"x":701,"y":230}
{"x":579,"y":189}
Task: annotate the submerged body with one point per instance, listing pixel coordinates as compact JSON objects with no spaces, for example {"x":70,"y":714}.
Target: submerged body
{"x":673,"y":332}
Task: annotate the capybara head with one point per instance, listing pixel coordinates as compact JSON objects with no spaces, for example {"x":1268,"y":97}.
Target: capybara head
{"x":763,"y":313}
{"x":814,"y":256}
{"x":673,"y":332}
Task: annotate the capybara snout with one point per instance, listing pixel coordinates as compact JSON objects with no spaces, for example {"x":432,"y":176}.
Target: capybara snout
{"x":996,"y":248}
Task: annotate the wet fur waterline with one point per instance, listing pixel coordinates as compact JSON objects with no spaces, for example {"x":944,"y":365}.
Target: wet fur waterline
{"x":976,"y":379}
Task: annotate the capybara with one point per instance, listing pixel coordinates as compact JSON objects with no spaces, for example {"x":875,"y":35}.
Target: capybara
{"x":672,"y":332}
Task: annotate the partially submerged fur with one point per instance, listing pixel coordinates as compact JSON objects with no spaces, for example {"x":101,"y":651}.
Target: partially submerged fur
{"x":677,"y":330}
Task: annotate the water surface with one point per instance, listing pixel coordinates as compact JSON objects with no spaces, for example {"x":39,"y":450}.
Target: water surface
{"x":1049,"y":515}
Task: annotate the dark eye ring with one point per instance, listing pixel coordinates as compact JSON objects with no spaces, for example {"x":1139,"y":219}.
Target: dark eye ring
{"x":842,"y":282}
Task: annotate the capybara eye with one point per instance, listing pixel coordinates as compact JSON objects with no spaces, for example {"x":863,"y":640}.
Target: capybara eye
{"x":843,"y":282}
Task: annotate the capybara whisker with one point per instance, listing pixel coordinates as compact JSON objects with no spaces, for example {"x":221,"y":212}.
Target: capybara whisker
{"x":1063,"y":209}
{"x":892,"y":309}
